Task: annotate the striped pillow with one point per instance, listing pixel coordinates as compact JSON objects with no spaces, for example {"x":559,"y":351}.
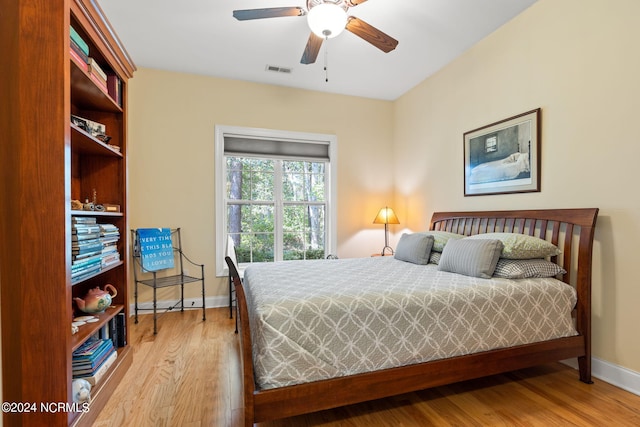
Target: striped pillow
{"x":476,"y":258}
{"x":414,"y":248}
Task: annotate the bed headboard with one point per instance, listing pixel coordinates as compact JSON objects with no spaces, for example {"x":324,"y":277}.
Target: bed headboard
{"x":571,"y":230}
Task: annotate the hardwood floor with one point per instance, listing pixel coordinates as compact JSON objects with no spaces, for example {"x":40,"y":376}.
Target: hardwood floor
{"x":188,"y":375}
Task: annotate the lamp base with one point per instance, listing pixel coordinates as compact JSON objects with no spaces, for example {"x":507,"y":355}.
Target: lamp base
{"x":385,"y":249}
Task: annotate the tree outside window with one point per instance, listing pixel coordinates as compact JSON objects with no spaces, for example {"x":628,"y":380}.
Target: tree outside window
{"x":276,"y":208}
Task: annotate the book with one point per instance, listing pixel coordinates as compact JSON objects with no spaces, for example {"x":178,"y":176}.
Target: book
{"x":114,"y":88}
{"x":85,"y":228}
{"x":75,"y":37}
{"x":78,"y":51}
{"x":81,"y":265}
{"x":88,"y":236}
{"x":81,"y":256}
{"x":95,"y":68}
{"x":102,"y":85}
{"x":86,"y":261}
{"x":103,"y":333}
{"x":78,"y":60}
{"x":109,"y":260}
{"x":82,"y":219}
{"x":83,"y":276}
{"x":85,"y":271}
{"x":121,"y":326}
{"x":88,"y":347}
{"x":101,"y":370}
{"x":113,"y":331}
{"x":87,"y":364}
{"x":90,"y":368}
{"x":82,"y":248}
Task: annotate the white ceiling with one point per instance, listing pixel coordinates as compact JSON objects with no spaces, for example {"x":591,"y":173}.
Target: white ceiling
{"x":202,"y":37}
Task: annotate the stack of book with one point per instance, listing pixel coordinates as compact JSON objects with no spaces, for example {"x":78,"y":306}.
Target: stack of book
{"x":80,"y":53}
{"x":86,"y":248}
{"x":93,"y":359}
{"x":79,"y":50}
{"x":109,"y":236}
{"x":94,"y":247}
{"x":98,"y":76}
{"x":104,"y":79}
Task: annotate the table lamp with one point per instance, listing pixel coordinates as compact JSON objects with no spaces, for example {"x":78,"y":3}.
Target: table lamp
{"x":386,"y":216}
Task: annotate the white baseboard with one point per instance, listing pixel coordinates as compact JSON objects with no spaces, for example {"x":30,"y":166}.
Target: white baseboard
{"x":618,"y":376}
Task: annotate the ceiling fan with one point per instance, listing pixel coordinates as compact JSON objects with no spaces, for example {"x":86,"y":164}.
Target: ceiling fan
{"x":327,"y":19}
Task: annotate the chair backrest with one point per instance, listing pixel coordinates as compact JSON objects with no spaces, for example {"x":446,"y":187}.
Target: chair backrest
{"x":164,"y":252}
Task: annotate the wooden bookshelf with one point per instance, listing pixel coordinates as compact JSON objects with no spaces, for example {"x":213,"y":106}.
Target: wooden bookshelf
{"x":46,"y":163}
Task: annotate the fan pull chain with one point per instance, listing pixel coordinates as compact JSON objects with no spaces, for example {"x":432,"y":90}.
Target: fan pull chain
{"x":326,"y":59}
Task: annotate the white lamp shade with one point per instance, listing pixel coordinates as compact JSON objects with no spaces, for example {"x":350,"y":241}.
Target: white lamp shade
{"x":327,"y":20}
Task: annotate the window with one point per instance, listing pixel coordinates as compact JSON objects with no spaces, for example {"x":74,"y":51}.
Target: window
{"x":274,"y":195}
{"x":491,"y":144}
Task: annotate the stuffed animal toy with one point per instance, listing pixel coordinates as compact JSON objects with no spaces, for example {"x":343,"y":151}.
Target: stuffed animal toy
{"x":81,"y":391}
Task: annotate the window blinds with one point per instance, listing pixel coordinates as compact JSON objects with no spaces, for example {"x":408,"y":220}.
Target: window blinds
{"x":276,"y":148}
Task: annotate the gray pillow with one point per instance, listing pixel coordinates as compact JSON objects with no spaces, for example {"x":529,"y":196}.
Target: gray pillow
{"x":476,"y":258}
{"x":414,"y":248}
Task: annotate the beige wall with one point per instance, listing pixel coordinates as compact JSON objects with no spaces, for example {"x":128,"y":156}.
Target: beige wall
{"x":171,"y":155}
{"x":577,"y":60}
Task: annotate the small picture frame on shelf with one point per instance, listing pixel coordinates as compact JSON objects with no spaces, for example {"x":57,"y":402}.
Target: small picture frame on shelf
{"x":94,"y":129}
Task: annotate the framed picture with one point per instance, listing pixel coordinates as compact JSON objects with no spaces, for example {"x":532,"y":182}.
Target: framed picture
{"x":503,"y":157}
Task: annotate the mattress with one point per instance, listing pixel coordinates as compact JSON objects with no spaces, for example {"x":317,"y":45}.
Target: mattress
{"x":314,"y":320}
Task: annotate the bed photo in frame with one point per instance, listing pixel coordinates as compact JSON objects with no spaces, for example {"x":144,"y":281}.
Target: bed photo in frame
{"x":503,"y":157}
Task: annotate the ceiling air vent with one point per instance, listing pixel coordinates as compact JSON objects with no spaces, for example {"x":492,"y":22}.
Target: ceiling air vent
{"x":277,"y":69}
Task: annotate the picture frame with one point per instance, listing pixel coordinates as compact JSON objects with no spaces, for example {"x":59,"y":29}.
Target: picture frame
{"x":503,"y":157}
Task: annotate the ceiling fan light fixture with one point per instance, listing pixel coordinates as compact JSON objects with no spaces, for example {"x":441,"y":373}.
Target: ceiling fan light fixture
{"x":327,"y":20}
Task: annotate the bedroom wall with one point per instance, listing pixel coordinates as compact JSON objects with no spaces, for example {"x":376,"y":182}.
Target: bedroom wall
{"x":577,"y":60}
{"x":171,"y":156}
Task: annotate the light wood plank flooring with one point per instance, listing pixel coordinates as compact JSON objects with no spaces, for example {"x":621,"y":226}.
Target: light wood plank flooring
{"x":188,"y":374}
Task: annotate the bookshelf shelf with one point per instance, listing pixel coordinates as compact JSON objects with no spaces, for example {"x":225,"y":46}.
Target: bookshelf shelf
{"x":97,"y":214}
{"x":87,"y":95}
{"x":89,"y":329}
{"x":82,"y":142}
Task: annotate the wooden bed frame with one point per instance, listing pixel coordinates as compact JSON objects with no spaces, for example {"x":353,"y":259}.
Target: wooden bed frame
{"x":570,"y":229}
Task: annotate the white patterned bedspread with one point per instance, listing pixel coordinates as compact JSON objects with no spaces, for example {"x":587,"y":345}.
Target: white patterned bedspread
{"x":312,"y":320}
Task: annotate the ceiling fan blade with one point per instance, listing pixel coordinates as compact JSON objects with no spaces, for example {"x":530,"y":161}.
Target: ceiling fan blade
{"x":272,"y":12}
{"x":353,"y":3}
{"x":312,"y":49}
{"x":382,"y":41}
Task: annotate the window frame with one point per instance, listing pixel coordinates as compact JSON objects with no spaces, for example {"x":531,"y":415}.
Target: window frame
{"x":272,"y":134}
